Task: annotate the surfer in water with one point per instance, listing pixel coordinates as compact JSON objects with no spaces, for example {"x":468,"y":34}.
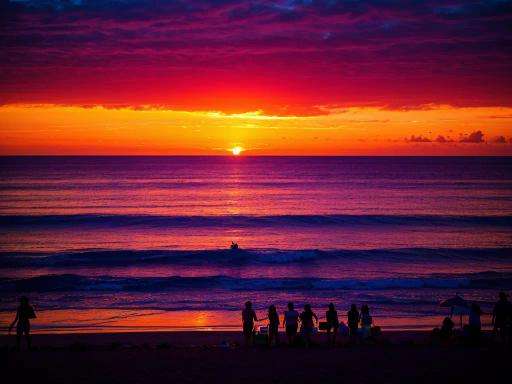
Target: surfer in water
{"x":234,"y":246}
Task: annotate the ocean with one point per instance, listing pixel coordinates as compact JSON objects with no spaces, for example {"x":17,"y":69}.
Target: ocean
{"x":142,"y":243}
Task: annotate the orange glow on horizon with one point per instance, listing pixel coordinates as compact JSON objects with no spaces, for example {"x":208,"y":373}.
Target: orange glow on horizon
{"x":74,"y":130}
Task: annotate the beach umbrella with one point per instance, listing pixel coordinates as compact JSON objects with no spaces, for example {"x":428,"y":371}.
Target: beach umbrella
{"x":457,"y":305}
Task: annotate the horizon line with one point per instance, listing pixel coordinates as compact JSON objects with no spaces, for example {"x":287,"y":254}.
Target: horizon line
{"x":239,"y":156}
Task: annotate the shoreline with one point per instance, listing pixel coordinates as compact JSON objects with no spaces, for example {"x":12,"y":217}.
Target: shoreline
{"x":186,"y":329}
{"x":188,"y":338}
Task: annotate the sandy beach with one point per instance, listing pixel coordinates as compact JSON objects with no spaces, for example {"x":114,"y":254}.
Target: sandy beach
{"x":200,"y":357}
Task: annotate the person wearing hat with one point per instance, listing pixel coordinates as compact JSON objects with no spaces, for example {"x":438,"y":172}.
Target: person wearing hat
{"x":24,"y":313}
{"x":501,"y":317}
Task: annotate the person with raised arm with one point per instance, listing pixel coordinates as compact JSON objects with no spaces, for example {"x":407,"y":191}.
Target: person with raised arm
{"x":308,"y":318}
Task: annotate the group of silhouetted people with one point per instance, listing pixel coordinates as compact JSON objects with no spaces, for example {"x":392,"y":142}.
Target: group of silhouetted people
{"x":308,"y":321}
{"x":471,"y":333}
{"x":359,"y":323}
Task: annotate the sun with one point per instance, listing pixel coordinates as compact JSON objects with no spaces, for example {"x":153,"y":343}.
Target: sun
{"x":236,"y":150}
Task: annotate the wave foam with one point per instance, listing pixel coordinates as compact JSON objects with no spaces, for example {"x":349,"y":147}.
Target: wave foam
{"x":119,"y":258}
{"x":70,"y":282}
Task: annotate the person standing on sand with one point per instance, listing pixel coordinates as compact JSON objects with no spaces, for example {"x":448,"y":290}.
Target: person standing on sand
{"x":248,"y":319}
{"x":475,"y":323}
{"x":366,"y":322}
{"x":332,"y":323}
{"x":291,"y":323}
{"x":273,"y":325}
{"x":353,"y":321}
{"x":24,"y":313}
{"x":501,"y":317}
{"x":307,"y":323}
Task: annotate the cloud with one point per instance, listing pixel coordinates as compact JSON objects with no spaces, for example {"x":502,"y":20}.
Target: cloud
{"x":241,"y":54}
{"x":418,"y":139}
{"x":441,"y":139}
{"x":499,"y":140}
{"x":473,"y":137}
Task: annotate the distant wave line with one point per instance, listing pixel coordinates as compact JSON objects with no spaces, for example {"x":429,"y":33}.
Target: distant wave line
{"x":251,"y":221}
{"x":225,"y":257}
{"x":409,"y":184}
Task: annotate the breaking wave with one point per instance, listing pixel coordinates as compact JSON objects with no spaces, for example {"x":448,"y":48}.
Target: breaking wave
{"x":120,"y":258}
{"x":72,"y":282}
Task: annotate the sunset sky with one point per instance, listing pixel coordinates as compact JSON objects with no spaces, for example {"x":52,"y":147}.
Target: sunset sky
{"x":273,"y":77}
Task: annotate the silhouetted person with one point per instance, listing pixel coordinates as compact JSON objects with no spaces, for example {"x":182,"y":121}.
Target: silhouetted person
{"x":475,"y":323}
{"x":474,"y":317}
{"x":366,"y":321}
{"x":234,"y":246}
{"x":307,"y":319}
{"x":248,"y":319}
{"x":501,"y":317}
{"x":332,"y":324}
{"x":273,"y":325}
{"x":353,"y":322}
{"x":24,"y":313}
{"x":291,"y":323}
{"x":446,"y":331}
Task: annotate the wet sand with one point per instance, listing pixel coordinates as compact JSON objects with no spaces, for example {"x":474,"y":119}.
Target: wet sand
{"x":191,"y":357}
